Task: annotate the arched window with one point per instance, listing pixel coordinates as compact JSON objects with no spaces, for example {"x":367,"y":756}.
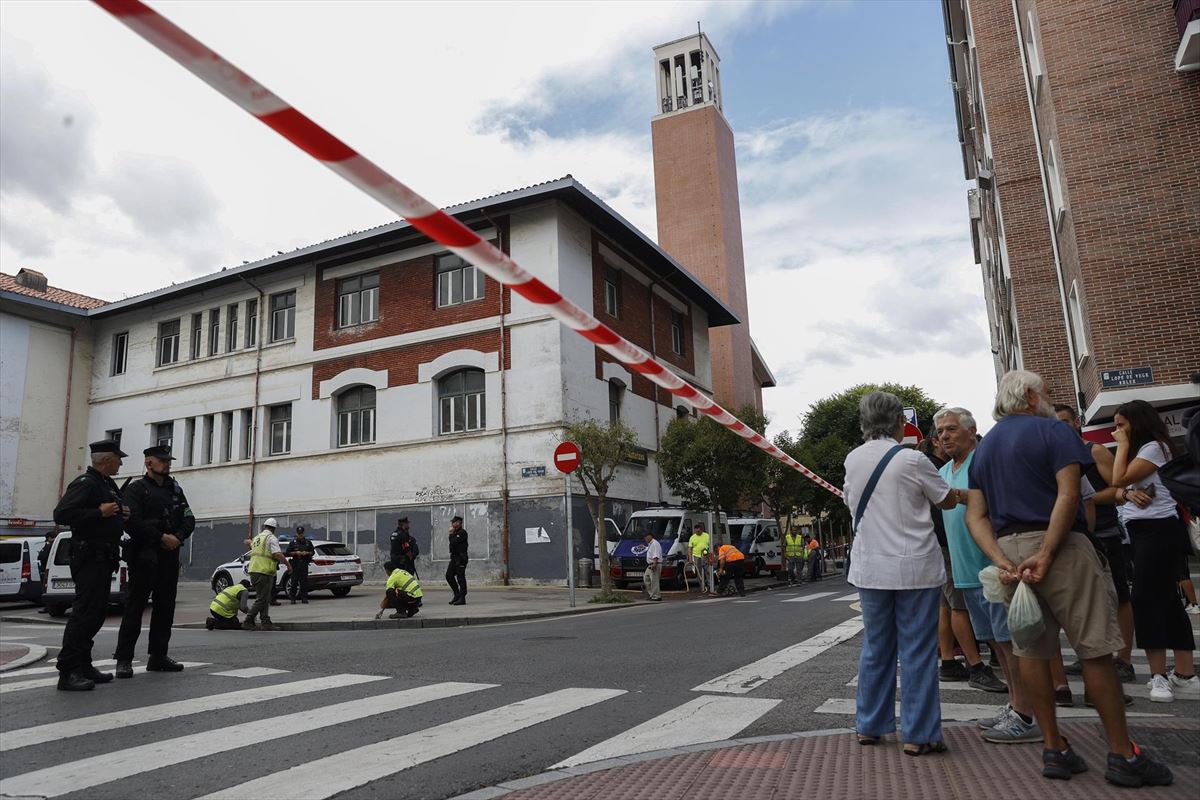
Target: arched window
{"x":461,"y":401}
{"x":356,"y":416}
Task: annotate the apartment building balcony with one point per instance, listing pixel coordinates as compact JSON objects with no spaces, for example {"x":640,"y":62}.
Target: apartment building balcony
{"x":1187,"y":21}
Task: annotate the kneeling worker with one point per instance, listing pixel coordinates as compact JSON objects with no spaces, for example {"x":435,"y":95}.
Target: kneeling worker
{"x":223,"y":610}
{"x":403,"y":593}
{"x":731,"y":561}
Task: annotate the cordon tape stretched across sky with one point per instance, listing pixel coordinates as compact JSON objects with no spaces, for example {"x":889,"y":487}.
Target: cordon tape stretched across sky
{"x":419,"y":212}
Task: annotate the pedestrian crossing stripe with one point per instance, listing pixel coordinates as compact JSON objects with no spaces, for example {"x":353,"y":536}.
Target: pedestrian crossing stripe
{"x":18,"y":674}
{"x":116,"y":720}
{"x":326,"y":777}
{"x":850,"y":598}
{"x":74,"y":776}
{"x":249,"y":672}
{"x":38,"y":683}
{"x":806,"y":598}
{"x":966,"y":712}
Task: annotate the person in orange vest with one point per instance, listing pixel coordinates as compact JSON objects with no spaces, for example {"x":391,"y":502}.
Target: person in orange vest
{"x":814,"y":559}
{"x":730,"y":562}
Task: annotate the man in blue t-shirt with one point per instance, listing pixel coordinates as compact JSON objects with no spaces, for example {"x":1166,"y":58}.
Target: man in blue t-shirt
{"x":1024,"y":513}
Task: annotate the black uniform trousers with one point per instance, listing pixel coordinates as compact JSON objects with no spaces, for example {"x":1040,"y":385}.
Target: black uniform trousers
{"x":733,"y":570}
{"x":298,"y":580}
{"x":150,"y":573}
{"x":456,"y":576}
{"x":92,"y":577}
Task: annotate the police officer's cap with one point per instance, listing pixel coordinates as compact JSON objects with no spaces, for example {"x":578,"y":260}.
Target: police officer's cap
{"x":106,"y":446}
{"x":401,"y":521}
{"x":300,"y":529}
{"x":159,"y":451}
{"x":456,"y":519}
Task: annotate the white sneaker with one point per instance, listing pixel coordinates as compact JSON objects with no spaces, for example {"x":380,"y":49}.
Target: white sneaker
{"x":1160,"y":690}
{"x":991,"y":722}
{"x":1192,"y":608}
{"x":1190,"y":686}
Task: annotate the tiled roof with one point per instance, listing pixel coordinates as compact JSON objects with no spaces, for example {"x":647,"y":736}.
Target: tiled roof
{"x":8,"y":283}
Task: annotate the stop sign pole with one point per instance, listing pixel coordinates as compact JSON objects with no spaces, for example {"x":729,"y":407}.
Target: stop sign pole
{"x":566,"y":461}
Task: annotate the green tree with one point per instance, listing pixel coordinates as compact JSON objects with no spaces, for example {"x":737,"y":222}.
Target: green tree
{"x":783,"y":487}
{"x":602,"y":448}
{"x":830,"y":431}
{"x":709,"y":466}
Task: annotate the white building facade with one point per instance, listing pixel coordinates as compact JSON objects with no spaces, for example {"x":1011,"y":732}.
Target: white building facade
{"x":375,"y":376}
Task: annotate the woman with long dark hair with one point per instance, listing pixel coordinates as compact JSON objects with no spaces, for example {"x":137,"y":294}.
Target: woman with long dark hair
{"x":1159,"y":538}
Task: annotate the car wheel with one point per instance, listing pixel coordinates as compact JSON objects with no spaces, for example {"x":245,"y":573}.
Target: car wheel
{"x":340,"y":591}
{"x":57,"y":610}
{"x":221,"y":582}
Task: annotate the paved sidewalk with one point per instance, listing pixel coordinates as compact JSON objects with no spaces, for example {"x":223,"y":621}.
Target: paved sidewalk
{"x":831,"y":765}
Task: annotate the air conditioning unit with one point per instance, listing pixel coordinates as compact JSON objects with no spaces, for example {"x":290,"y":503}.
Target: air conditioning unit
{"x":984,"y":179}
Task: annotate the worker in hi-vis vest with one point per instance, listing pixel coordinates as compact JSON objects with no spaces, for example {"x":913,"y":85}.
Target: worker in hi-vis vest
{"x":223,"y":610}
{"x":731,"y":562}
{"x":403,"y":593}
{"x":265,"y":554}
{"x":794,"y":548}
{"x":699,"y":548}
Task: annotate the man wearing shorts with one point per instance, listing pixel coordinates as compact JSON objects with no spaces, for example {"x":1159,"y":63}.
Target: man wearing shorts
{"x":1024,"y":513}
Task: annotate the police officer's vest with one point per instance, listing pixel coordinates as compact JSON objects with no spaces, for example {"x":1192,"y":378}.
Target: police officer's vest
{"x":405,"y":582}
{"x":261,"y":560}
{"x":226,"y":602}
{"x":795,"y":545}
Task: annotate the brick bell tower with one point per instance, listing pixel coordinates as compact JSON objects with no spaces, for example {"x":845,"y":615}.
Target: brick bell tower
{"x":699,"y":215}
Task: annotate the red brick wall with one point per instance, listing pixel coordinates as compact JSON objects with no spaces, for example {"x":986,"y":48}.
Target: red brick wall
{"x":401,"y":362}
{"x":407,"y":303}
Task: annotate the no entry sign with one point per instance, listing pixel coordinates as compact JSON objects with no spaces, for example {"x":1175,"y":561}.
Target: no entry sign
{"x":912,"y":434}
{"x":566,"y":457}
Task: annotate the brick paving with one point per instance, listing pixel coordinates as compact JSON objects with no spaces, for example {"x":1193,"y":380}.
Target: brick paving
{"x":833,"y":767}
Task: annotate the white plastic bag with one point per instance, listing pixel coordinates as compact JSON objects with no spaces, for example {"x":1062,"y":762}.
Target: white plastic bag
{"x":993,"y":590}
{"x":1025,"y":621}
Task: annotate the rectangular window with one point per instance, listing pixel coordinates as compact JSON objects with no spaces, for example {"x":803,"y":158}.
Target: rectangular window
{"x":281,"y":429}
{"x":457,"y":281}
{"x":120,"y":353}
{"x":164,"y":434}
{"x":231,"y":328}
{"x":1076,"y":314}
{"x":189,"y":441}
{"x":168,"y":342}
{"x":227,"y":436}
{"x":612,"y":292}
{"x":114,"y":434}
{"x":214,"y":331}
{"x":247,"y":431}
{"x":677,"y":333}
{"x":615,"y":392}
{"x":251,"y":323}
{"x":206,"y":447}
{"x":283,"y":316}
{"x":1035,"y":60}
{"x":1055,"y":179}
{"x":358,"y":300}
{"x":197,"y":334}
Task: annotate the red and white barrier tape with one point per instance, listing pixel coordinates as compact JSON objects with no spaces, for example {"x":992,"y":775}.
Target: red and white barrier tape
{"x":420,"y":213}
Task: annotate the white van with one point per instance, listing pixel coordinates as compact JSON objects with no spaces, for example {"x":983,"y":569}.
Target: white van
{"x":60,"y":588}
{"x":20,"y":577}
{"x":672,"y":526}
{"x":760,"y":542}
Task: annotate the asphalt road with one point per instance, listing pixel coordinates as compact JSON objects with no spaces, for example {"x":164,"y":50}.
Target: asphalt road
{"x":646,"y":661}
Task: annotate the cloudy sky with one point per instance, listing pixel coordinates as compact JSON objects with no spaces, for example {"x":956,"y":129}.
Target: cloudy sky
{"x":121,"y":173}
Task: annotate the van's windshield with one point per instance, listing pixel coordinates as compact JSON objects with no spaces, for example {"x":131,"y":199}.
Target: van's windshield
{"x":661,"y":527}
{"x":742,"y":532}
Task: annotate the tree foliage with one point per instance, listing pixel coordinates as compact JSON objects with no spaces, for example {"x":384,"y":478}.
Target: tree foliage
{"x":710,"y":467}
{"x":602,"y":448}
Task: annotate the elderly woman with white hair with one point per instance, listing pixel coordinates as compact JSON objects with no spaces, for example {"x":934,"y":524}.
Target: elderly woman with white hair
{"x":899,"y":572}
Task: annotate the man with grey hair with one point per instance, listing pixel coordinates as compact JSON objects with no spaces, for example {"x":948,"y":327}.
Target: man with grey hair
{"x":1024,"y":514}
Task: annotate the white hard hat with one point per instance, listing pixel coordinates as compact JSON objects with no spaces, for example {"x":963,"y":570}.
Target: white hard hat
{"x":270,"y":523}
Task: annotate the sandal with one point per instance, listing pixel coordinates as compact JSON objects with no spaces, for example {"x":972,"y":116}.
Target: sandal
{"x":865,"y":740}
{"x":924,"y":749}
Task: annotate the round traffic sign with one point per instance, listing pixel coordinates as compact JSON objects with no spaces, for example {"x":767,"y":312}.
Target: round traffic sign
{"x":912,"y":434}
{"x":566,"y":457}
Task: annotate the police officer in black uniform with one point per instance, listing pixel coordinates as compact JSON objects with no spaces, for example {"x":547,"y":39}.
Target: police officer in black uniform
{"x":160,"y":520}
{"x":93,"y":509}
{"x":404,"y":549}
{"x":300,"y":551}
{"x":456,"y":571}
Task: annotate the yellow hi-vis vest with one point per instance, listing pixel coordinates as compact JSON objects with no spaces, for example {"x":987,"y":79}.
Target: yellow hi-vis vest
{"x":795,"y":545}
{"x":699,"y":544}
{"x":226,"y":602}
{"x":404,"y":581}
{"x":261,"y":560}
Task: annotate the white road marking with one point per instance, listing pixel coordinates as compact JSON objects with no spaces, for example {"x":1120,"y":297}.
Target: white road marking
{"x":750,"y":677}
{"x":21,"y":673}
{"x":38,"y":683}
{"x":85,"y":773}
{"x":745,"y":601}
{"x":850,"y":598}
{"x":808,"y":597}
{"x":705,"y":719}
{"x":116,"y":720}
{"x":347,"y":770}
{"x":249,"y":672}
{"x":964,"y":712}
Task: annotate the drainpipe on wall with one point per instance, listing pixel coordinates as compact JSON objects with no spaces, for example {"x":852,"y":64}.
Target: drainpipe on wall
{"x":62,"y":467}
{"x":253,"y":444}
{"x":1058,"y":270}
{"x":503,"y":423}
